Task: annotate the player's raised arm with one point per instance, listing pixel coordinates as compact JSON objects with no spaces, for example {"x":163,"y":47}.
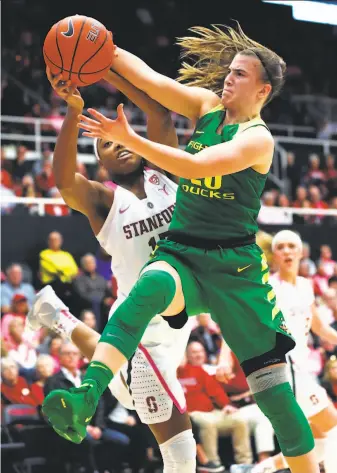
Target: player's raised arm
{"x":160,"y":127}
{"x":77,"y":191}
{"x":192,"y":102}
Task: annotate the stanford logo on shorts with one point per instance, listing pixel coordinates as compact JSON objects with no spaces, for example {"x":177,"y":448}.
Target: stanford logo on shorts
{"x":154,"y":179}
{"x":152,"y":404}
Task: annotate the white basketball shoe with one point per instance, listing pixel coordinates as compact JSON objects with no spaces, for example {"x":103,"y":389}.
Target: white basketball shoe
{"x":45,"y":310}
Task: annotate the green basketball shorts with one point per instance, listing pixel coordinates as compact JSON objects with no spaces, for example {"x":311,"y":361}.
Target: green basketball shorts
{"x":232,"y":285}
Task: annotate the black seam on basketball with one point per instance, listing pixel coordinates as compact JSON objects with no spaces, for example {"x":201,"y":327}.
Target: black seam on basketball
{"x":75,"y":48}
{"x":82,"y":73}
{"x":58,"y":47}
{"x":101,"y":46}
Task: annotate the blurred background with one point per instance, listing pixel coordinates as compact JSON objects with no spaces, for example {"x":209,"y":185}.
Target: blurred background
{"x":301,"y":194}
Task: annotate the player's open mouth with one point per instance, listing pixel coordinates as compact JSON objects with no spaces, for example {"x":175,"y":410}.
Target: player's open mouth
{"x":288,"y":260}
{"x":125,"y":154}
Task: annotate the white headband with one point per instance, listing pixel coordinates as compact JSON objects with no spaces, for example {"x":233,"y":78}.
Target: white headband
{"x":289,"y":236}
{"x":95,"y":145}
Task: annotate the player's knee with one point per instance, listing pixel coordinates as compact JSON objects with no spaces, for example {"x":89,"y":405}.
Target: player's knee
{"x":177,"y":303}
{"x":275,"y":398}
{"x":179,"y":453}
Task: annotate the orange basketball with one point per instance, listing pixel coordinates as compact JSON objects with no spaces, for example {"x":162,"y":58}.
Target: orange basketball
{"x":79,"y":47}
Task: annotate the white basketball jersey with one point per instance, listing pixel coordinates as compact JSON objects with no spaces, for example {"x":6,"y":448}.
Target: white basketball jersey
{"x":133,"y":227}
{"x":295,"y":301}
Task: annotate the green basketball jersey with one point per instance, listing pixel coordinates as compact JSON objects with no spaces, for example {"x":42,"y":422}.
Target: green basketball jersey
{"x":218,"y":207}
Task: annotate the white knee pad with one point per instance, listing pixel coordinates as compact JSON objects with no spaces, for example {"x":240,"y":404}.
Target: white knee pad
{"x":179,"y":453}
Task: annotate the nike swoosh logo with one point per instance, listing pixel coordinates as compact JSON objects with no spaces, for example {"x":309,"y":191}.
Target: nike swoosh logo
{"x":70,"y":31}
{"x":199,"y":132}
{"x":121,"y":211}
{"x":97,"y":366}
{"x":242,"y":269}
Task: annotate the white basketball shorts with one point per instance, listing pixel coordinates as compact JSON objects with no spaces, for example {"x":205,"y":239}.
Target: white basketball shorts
{"x":148,"y":382}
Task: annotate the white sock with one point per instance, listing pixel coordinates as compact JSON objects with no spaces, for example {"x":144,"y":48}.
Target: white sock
{"x":266,"y":466}
{"x":320,"y":449}
{"x":330,"y":457}
{"x":65,"y":324}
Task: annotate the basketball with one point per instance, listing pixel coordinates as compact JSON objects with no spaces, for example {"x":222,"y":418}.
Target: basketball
{"x":79,"y":47}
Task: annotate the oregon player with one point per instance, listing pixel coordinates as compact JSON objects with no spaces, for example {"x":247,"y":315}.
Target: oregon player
{"x":210,"y":261}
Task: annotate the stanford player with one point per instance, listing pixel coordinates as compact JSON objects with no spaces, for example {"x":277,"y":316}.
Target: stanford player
{"x":128,"y":218}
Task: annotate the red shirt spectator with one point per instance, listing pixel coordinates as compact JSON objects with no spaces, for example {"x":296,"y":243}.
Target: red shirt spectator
{"x":331,"y":171}
{"x":45,"y":180}
{"x":14,"y":388}
{"x":202,"y":391}
{"x":301,"y":197}
{"x":320,"y":281}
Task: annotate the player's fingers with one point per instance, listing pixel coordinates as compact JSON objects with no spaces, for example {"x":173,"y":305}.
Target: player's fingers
{"x":91,"y":135}
{"x":96,"y":114}
{"x":88,"y":120}
{"x":87,"y":127}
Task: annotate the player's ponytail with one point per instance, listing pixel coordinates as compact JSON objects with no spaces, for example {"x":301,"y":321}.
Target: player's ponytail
{"x":211,"y":51}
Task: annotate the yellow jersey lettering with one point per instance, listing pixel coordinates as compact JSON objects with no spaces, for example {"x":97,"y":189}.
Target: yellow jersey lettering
{"x":228,"y":196}
{"x":195,"y":190}
{"x":212,"y":194}
{"x":213,"y":182}
{"x":196,"y":182}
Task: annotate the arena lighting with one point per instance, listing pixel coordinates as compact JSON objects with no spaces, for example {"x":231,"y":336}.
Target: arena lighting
{"x":316,"y":12}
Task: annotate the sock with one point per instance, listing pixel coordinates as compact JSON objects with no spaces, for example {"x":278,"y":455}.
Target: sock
{"x":65,"y":324}
{"x":330,"y":457}
{"x":151,"y":295}
{"x":101,"y":374}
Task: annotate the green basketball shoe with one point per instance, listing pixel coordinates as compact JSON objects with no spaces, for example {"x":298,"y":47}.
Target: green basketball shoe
{"x":69,"y":412}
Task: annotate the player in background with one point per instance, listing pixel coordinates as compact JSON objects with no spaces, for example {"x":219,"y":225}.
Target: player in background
{"x":295,"y":297}
{"x":128,"y":220}
{"x":210,"y":261}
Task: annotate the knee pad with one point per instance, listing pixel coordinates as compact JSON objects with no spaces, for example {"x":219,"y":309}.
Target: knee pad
{"x":151,"y":295}
{"x":275,"y":398}
{"x":179,"y":453}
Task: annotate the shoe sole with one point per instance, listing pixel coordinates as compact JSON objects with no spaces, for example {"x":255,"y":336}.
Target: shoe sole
{"x":58,"y":409}
{"x":202,"y":469}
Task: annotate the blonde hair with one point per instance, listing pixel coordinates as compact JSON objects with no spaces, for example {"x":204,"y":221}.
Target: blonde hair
{"x":211,"y":52}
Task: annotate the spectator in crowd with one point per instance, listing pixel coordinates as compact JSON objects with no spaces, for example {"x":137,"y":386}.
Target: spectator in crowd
{"x":314,"y":176}
{"x":304,"y":270}
{"x":330,"y":379}
{"x":90,"y":287}
{"x":44,"y":369}
{"x":301,"y":197}
{"x":88,"y":318}
{"x":14,"y":388}
{"x":27,"y":188}
{"x":306,"y":259}
{"x":14,"y":285}
{"x":45,"y":179}
{"x":326,"y":260}
{"x":18,"y":310}
{"x":210,"y":409}
{"x":293,"y":173}
{"x":332,"y":219}
{"x":208,"y":334}
{"x":283,"y":201}
{"x":20,"y":350}
{"x":320,"y":281}
{"x":240,"y":396}
{"x":58,"y":210}
{"x":45,"y":156}
{"x":21,"y":166}
{"x":315,"y":197}
{"x":69,"y":375}
{"x":330,"y":171}
{"x":271,"y":215}
{"x":56,"y":264}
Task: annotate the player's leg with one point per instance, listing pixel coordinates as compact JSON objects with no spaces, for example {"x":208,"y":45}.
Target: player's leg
{"x":176,"y":443}
{"x":254,"y":329}
{"x":49,"y":311}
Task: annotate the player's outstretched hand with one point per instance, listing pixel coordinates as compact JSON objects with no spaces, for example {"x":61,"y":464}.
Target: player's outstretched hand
{"x":66,"y":91}
{"x":117,"y":130}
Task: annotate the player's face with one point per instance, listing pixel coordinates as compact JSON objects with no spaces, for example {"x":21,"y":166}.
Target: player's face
{"x":287,"y":255}
{"x":117,"y":159}
{"x":243,"y":85}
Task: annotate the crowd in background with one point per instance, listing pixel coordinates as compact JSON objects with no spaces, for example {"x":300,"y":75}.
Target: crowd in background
{"x":33,"y":363}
